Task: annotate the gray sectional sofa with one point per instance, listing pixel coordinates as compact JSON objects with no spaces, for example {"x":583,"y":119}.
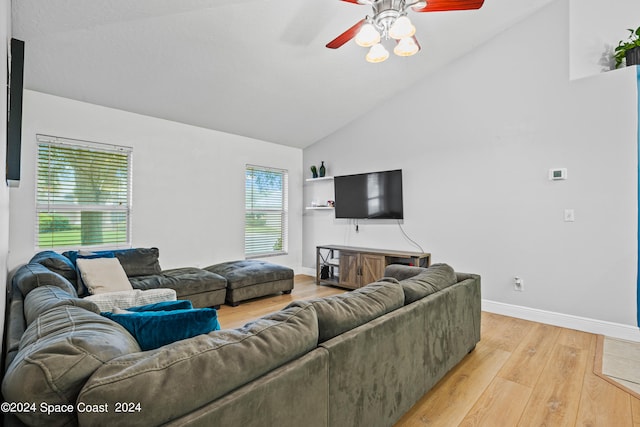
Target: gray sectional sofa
{"x":362,"y":358}
{"x":203,"y":288}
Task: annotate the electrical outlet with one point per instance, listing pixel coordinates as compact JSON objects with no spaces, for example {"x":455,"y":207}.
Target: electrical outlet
{"x":569,"y":215}
{"x":518,"y":284}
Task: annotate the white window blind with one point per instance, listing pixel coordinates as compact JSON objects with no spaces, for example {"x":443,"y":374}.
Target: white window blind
{"x":83,"y":194}
{"x":266,"y":192}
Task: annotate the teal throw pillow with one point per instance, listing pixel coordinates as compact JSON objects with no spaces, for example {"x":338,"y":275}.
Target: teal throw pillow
{"x":181,"y":304}
{"x":153,"y":329}
{"x":74,"y":255}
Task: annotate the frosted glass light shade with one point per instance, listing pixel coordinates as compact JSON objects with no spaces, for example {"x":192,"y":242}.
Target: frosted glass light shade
{"x":367,"y":36}
{"x":377,"y":53}
{"x":402,"y":28}
{"x":406,"y":47}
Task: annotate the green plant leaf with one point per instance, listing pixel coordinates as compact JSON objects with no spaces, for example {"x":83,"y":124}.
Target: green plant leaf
{"x":632,"y":42}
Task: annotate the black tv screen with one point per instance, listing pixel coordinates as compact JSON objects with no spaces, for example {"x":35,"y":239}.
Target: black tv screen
{"x":375,"y":195}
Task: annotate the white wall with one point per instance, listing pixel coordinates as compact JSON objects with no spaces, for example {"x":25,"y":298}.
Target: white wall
{"x":596,"y":27}
{"x":475,"y":142}
{"x":5,"y":36}
{"x":188,"y":182}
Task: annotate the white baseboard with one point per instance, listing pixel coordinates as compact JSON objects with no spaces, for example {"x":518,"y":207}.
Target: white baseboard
{"x":601,"y":327}
{"x":306,"y":270}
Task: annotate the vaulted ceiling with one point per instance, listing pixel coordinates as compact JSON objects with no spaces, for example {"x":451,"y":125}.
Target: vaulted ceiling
{"x":257,"y":68}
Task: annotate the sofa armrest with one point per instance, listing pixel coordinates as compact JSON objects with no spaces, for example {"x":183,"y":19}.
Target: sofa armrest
{"x":15,"y":327}
{"x":402,"y":272}
{"x":464,"y":276}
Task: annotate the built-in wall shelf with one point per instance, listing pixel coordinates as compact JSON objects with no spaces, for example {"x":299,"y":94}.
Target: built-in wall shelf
{"x":324,"y":178}
{"x":319,"y":194}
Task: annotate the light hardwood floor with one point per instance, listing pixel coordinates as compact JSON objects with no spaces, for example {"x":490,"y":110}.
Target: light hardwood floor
{"x":521,"y":373}
{"x":304,"y":288}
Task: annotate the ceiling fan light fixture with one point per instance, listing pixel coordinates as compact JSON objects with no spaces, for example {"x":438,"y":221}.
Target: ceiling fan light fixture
{"x":419,"y":5}
{"x":367,"y":36}
{"x":402,"y":28}
{"x":406,"y":47}
{"x":377,"y":53}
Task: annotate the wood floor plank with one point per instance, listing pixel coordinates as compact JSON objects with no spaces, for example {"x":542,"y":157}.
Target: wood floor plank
{"x":577,"y":339}
{"x":555,"y":399}
{"x":503,"y":332}
{"x":304,"y":288}
{"x":450,"y":400}
{"x":503,"y":400}
{"x":530,"y":357}
{"x":601,"y":403}
{"x":635,"y":411}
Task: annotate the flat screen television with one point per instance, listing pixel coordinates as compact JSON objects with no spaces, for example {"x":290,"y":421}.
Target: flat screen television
{"x":375,"y":195}
{"x":14,"y":116}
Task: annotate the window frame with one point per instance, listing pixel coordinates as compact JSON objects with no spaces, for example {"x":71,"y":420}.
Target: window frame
{"x":284,"y":212}
{"x":55,"y":207}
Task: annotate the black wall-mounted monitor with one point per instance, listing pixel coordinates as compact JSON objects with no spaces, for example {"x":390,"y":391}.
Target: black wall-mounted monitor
{"x":375,"y":195}
{"x":14,"y":116}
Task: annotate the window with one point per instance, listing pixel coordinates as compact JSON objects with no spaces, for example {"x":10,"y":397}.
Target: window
{"x":265,"y":229}
{"x":83,"y":194}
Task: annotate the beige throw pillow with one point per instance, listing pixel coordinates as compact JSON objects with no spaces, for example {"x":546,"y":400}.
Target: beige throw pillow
{"x":102,"y":275}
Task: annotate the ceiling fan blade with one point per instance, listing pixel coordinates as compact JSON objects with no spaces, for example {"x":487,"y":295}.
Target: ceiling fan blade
{"x":445,"y":5}
{"x":346,"y":36}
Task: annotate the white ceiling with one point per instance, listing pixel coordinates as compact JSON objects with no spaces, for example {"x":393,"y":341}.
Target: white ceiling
{"x":257,"y":68}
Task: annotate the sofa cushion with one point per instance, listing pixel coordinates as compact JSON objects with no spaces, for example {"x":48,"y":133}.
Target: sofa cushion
{"x":102,"y":275}
{"x":248,"y":272}
{"x":135,"y":261}
{"x":431,"y":280}
{"x":135,"y":297}
{"x":140,"y":261}
{"x":200,"y":369}
{"x":30,"y":276}
{"x":155,"y":328}
{"x":58,"y":352}
{"x":341,"y":313}
{"x":56,"y":263}
{"x":45,"y":298}
{"x":185,"y":281}
{"x":183,"y":304}
{"x":402,"y":272}
{"x":82,"y":288}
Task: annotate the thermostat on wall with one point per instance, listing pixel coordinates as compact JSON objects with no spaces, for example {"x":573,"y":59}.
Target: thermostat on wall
{"x":557,"y":174}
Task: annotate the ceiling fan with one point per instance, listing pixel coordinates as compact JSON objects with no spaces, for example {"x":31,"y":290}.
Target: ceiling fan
{"x":390,"y":21}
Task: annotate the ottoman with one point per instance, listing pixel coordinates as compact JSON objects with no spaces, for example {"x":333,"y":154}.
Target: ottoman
{"x":202,"y":288}
{"x":251,"y":278}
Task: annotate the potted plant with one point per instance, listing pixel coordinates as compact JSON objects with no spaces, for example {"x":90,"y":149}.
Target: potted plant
{"x":629,"y":49}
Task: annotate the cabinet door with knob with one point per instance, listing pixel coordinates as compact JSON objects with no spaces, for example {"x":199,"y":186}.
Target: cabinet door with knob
{"x":349,"y":270}
{"x":371,"y":268}
{"x":358,"y":270}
